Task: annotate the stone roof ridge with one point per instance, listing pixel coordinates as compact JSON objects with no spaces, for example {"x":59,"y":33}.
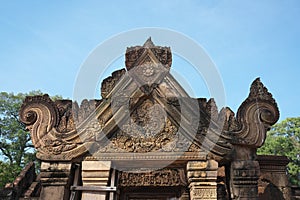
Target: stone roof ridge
{"x":148,"y":43}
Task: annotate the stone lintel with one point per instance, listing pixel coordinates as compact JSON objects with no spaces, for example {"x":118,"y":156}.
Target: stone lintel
{"x":273,"y":163}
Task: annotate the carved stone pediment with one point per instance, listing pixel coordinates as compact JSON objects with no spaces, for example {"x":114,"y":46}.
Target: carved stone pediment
{"x":144,"y":109}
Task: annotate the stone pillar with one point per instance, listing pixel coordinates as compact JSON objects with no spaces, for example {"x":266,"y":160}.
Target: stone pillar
{"x":95,"y":173}
{"x":55,"y":180}
{"x":202,"y":179}
{"x":244,"y":176}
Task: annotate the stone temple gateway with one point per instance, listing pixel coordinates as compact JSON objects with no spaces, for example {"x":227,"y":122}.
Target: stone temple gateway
{"x":148,"y":139}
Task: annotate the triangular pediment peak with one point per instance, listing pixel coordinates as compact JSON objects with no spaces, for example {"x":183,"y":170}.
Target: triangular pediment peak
{"x":148,"y":65}
{"x":149,"y":43}
{"x":148,"y":52}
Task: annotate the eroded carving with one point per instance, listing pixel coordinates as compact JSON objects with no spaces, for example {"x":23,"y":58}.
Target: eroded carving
{"x":133,"y":54}
{"x":109,"y":83}
{"x":82,"y":112}
{"x":164,"y":177}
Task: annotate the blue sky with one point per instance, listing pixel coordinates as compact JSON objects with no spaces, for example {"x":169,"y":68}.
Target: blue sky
{"x":44,"y":43}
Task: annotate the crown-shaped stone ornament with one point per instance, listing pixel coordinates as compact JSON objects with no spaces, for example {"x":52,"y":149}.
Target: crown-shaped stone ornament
{"x":148,"y":65}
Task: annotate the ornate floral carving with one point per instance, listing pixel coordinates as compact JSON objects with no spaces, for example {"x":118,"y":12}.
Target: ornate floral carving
{"x":148,"y":129}
{"x":164,"y":177}
{"x":148,"y":65}
{"x":150,"y":68}
{"x":148,"y":73}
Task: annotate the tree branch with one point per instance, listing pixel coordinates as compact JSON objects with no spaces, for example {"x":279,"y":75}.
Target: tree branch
{"x":5,"y":152}
{"x":29,"y":146}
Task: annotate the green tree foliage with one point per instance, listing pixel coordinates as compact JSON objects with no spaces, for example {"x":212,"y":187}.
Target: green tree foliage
{"x":284,"y":139}
{"x":16,"y":149}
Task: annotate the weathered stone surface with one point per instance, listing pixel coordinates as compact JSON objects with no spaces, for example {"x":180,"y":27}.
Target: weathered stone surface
{"x":273,"y":181}
{"x":51,"y":192}
{"x":109,"y":83}
{"x":244,"y":176}
{"x":134,"y":54}
{"x":55,"y":180}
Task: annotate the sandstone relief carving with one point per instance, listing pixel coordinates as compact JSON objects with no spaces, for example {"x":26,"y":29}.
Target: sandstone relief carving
{"x":147,"y":110}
